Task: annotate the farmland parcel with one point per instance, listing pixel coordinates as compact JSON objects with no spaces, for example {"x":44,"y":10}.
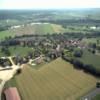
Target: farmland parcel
{"x":54,"y":81}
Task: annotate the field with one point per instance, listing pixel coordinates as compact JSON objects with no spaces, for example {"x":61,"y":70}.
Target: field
{"x":89,"y":58}
{"x":41,"y":28}
{"x":4,"y":34}
{"x":47,"y":28}
{"x":18,"y":50}
{"x":32,"y":29}
{"x":91,"y":40}
{"x":54,"y":81}
{"x":97,"y":97}
{"x":38,"y":29}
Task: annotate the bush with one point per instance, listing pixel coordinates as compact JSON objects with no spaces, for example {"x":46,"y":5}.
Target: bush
{"x":19,"y":71}
{"x":78,"y":53}
{"x":78,"y":64}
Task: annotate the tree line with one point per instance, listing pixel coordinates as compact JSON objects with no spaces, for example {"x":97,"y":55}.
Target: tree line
{"x":88,"y":68}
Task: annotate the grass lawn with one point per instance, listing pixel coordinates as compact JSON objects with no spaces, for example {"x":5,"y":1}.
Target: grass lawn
{"x":18,"y":50}
{"x":11,"y":83}
{"x":4,"y":34}
{"x":43,"y":29}
{"x":89,"y":58}
{"x":97,"y":97}
{"x":56,"y":80}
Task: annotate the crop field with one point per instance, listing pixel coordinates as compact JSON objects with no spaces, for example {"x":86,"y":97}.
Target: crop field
{"x":54,"y":81}
{"x":89,"y":58}
{"x":38,"y":29}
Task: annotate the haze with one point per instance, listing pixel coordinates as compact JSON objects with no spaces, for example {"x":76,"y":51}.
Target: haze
{"x":48,"y":4}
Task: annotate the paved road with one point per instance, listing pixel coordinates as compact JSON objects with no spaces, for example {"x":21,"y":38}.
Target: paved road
{"x":92,"y":94}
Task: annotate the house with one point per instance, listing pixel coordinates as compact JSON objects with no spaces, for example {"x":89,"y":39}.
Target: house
{"x":12,"y":94}
{"x":38,"y":60}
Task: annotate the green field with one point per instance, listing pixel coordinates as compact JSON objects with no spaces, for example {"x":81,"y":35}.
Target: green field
{"x":18,"y":50}
{"x":32,"y":29}
{"x":54,"y":81}
{"x":42,"y":29}
{"x":47,"y":28}
{"x":91,"y":40}
{"x":90,"y":58}
{"x":4,"y":34}
{"x":97,"y":97}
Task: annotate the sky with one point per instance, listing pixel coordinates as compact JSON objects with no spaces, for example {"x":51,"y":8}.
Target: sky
{"x":48,"y":4}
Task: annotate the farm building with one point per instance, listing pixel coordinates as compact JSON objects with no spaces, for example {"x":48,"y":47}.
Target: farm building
{"x":12,"y":94}
{"x":38,"y":60}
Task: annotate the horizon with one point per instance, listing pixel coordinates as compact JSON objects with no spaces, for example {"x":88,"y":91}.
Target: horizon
{"x":51,"y":9}
{"x":52,"y":4}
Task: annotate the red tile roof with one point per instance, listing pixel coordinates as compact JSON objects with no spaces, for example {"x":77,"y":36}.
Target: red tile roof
{"x":12,"y":94}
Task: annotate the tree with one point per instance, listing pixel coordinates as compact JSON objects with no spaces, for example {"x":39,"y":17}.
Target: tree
{"x":6,"y":51}
{"x":77,"y":64}
{"x":98,"y":41}
{"x":78,"y":53}
{"x":19,"y":71}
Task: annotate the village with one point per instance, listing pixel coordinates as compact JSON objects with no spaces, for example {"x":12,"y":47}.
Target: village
{"x":43,"y":49}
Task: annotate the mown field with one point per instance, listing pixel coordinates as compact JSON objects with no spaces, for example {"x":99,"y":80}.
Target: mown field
{"x":90,"y":58}
{"x":54,"y":81}
{"x":38,"y":29}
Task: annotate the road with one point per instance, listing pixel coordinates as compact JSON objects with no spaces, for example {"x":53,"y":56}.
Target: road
{"x":91,"y":94}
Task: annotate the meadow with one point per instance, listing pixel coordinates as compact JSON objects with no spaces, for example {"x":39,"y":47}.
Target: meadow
{"x":38,"y":29}
{"x":4,"y":34}
{"x":91,"y":40}
{"x":57,"y":80}
{"x":90,"y":58}
{"x":17,"y":50}
{"x":42,"y":29}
